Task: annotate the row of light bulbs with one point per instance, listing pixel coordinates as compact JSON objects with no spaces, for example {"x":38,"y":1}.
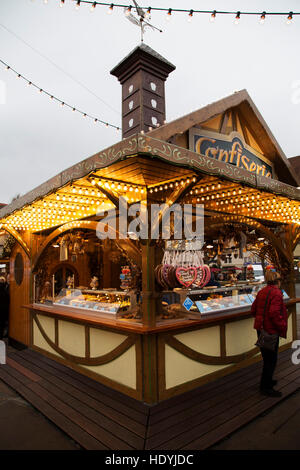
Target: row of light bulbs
{"x":62,"y":103}
{"x":124,"y":187}
{"x":169,"y":11}
{"x":287,"y":214}
{"x":172,"y":185}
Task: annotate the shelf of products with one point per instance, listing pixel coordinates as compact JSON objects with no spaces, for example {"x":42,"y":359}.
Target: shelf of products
{"x":110,"y":302}
{"x":209,"y":300}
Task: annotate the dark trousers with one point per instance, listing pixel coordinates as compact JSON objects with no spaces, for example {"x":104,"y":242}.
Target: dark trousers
{"x":269,"y":365}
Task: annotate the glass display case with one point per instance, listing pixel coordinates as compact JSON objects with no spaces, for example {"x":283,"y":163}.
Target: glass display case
{"x":193,"y":303}
{"x":111,"y":303}
{"x":107,"y":302}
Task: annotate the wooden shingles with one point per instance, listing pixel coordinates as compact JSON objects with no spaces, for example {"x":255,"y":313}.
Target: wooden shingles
{"x":97,"y":417}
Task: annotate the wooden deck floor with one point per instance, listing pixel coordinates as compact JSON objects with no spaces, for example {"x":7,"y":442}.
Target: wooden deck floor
{"x":97,"y":417}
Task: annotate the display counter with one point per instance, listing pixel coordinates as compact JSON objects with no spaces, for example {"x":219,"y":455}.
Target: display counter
{"x":150,"y":363}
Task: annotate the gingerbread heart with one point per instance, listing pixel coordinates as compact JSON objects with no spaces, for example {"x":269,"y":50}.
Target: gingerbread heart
{"x":203,"y":276}
{"x":186,"y":276}
{"x":198,"y":282}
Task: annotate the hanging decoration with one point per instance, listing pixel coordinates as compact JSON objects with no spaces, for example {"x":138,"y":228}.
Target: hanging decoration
{"x":182,"y":267}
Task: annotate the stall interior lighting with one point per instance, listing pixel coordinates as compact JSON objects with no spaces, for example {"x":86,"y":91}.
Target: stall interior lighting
{"x":81,"y":199}
{"x":90,"y":195}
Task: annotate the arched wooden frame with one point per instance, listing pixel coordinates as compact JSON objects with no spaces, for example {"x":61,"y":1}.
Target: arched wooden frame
{"x":84,"y":360}
{"x":126,"y":244}
{"x":178,"y":195}
{"x":296,"y":239}
{"x":17,"y":237}
{"x":67,"y":265}
{"x":223,"y":359}
{"x":238,"y":219}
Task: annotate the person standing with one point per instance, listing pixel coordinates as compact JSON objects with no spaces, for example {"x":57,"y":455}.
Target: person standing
{"x":271,"y":315}
{"x":4,"y":306}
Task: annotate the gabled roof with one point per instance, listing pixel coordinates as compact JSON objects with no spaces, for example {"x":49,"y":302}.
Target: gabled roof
{"x":251,"y":116}
{"x":295,"y":162}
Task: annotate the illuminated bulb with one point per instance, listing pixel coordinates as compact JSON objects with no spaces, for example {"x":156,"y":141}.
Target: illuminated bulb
{"x":110,"y":9}
{"x":289,"y":18}
{"x":62,"y":2}
{"x":213,"y":16}
{"x":128,"y":11}
{"x":262,"y":18}
{"x":77,"y":5}
{"x":147,"y":14}
{"x":93,"y":6}
{"x":190,"y":17}
{"x":169,"y":14}
{"x":237,"y":18}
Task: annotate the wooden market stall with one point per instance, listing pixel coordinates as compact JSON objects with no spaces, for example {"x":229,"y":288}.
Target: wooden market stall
{"x":113,"y":308}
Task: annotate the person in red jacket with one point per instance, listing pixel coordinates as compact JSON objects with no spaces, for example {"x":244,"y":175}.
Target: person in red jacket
{"x":269,"y":304}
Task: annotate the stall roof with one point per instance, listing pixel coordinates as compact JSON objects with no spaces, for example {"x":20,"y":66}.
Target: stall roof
{"x":295,"y":162}
{"x":137,"y":163}
{"x":242,"y":102}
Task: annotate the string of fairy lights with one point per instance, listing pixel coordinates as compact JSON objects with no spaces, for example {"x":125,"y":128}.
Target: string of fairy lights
{"x":54,"y":98}
{"x":169,"y":12}
{"x":86,"y":197}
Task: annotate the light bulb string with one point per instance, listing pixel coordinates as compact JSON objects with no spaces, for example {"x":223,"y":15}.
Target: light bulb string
{"x":58,"y":100}
{"x":181,"y":10}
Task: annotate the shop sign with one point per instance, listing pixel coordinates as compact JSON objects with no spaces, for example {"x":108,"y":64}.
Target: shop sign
{"x":229,"y":149}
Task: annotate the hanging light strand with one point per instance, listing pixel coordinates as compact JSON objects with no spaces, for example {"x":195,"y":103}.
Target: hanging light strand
{"x":288,"y":15}
{"x":58,"y":100}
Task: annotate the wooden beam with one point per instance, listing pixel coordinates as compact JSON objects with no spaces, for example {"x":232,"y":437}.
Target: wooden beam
{"x":224,"y":122}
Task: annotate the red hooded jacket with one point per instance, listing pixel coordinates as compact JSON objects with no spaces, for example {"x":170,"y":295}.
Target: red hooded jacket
{"x":275,"y":320}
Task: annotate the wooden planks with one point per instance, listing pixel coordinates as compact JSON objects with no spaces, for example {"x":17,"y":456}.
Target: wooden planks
{"x":97,"y":417}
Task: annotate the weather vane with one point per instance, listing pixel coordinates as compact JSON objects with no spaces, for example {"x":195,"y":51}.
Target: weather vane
{"x":141,"y":20}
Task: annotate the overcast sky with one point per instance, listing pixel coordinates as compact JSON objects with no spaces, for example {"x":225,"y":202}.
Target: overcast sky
{"x":57,"y":48}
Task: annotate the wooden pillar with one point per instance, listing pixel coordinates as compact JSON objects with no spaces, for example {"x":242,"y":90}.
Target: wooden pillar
{"x":289,"y":280}
{"x":148,"y":283}
{"x":150,"y":367}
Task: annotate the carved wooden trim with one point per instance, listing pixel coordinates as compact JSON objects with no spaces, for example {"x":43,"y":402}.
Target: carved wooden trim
{"x":204,"y":358}
{"x":87,"y":361}
{"x":131,"y":392}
